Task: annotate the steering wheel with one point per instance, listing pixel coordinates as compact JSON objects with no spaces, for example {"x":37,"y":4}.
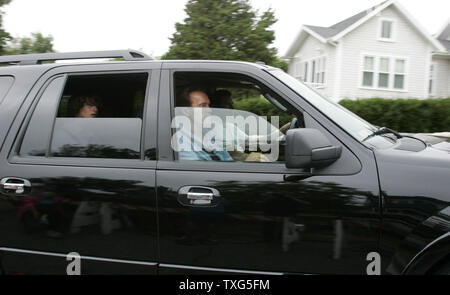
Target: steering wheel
{"x":293,"y":123}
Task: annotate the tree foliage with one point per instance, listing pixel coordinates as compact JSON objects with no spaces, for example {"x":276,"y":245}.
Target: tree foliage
{"x":403,"y":115}
{"x":224,"y":30}
{"x":37,"y":43}
{"x":4,"y":36}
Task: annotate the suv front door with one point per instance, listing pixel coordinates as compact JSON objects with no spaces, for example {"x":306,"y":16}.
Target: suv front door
{"x":88,"y":205}
{"x":263,"y":217}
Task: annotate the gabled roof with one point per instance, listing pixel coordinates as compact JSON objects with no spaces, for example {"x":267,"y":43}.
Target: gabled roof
{"x":328,"y":32}
{"x":444,"y":36}
{"x":335,"y":32}
{"x":445,"y":43}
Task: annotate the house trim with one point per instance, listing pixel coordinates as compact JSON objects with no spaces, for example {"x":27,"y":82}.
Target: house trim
{"x":427,"y":75}
{"x":338,"y":72}
{"x":433,"y":78}
{"x":314,"y":34}
{"x":301,"y":37}
{"x":443,"y":28}
{"x":403,"y":11}
{"x":382,"y":89}
{"x":304,"y":30}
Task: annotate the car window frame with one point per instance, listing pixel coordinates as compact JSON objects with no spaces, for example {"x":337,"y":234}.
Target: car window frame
{"x":5,"y":93}
{"x":148,"y":132}
{"x":167,"y":106}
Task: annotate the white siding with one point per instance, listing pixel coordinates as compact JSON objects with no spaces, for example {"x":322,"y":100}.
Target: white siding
{"x":408,"y":44}
{"x":442,"y":77}
{"x":313,"y":48}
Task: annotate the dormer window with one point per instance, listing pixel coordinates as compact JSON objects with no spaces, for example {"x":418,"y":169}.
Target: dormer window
{"x":386,"y":30}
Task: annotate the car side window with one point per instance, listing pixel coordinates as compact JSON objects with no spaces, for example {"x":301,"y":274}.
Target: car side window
{"x":230,"y":118}
{"x":35,"y":142}
{"x":98,"y":116}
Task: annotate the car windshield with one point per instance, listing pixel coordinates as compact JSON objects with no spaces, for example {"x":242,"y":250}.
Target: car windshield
{"x":351,"y":123}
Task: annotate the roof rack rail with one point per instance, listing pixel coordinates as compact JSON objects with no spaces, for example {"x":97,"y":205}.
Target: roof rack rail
{"x":38,"y":58}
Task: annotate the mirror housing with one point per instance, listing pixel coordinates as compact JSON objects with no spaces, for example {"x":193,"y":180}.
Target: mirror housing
{"x":309,"y":148}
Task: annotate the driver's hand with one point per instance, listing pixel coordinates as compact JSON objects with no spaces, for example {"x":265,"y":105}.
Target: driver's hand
{"x":285,"y":128}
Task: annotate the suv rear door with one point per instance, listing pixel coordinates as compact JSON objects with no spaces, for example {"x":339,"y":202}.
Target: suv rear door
{"x":94,"y":199}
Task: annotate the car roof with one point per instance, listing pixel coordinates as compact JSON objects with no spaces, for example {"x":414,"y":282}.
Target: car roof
{"x":10,"y":69}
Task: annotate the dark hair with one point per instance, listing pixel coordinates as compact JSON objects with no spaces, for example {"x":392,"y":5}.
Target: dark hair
{"x":222,"y":99}
{"x":77,"y":102}
{"x":184,"y":100}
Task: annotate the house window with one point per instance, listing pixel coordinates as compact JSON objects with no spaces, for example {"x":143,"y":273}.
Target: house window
{"x":317,"y":73}
{"x":298,"y":70}
{"x":432,"y":79}
{"x":305,"y":75}
{"x":387,"y":30}
{"x":369,"y":69}
{"x":384,"y":73}
{"x":313,"y":71}
{"x":320,"y":75}
{"x":399,"y":76}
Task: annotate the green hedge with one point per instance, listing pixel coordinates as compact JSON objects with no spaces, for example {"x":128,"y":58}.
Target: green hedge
{"x":403,"y":115}
{"x":262,"y":107}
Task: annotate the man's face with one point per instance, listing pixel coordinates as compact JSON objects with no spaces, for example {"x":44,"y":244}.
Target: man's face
{"x":88,"y":111}
{"x":199,"y":99}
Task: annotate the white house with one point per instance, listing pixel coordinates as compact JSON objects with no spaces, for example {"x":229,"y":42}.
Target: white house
{"x":380,"y":52}
{"x":439,"y":85}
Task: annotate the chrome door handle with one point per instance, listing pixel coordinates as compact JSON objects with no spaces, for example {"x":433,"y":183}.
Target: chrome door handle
{"x":198,"y":196}
{"x":17,"y":185}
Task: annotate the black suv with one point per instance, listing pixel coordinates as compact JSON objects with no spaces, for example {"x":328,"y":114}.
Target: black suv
{"x":94,"y":165}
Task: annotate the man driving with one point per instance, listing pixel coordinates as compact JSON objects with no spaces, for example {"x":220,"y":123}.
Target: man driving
{"x":197,"y":102}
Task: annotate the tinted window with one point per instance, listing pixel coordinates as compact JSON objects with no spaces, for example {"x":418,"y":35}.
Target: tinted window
{"x":97,"y":138}
{"x":229,"y":117}
{"x":5,"y":84}
{"x":35,"y":142}
{"x":98,"y":116}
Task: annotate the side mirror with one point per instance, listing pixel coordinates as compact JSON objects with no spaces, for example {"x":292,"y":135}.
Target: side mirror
{"x":309,"y":148}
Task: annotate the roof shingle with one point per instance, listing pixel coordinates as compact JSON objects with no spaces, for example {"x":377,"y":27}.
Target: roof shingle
{"x":328,"y":32}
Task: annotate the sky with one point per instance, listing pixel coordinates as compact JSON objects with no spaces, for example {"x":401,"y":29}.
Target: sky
{"x":147,"y":25}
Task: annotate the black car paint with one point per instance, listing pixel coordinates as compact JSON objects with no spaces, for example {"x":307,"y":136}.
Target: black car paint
{"x":390,"y":201}
{"x":415,"y":202}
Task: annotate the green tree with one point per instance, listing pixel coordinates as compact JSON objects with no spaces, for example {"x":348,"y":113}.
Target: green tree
{"x":224,"y":30}
{"x":4,"y":36}
{"x":37,"y":43}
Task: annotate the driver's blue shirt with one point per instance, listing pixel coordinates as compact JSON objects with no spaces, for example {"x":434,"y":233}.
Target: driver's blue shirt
{"x":203,"y":156}
{"x":198,"y":153}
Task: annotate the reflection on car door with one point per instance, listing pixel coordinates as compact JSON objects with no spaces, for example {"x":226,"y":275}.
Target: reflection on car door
{"x":103,"y":209}
{"x":263,"y":217}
